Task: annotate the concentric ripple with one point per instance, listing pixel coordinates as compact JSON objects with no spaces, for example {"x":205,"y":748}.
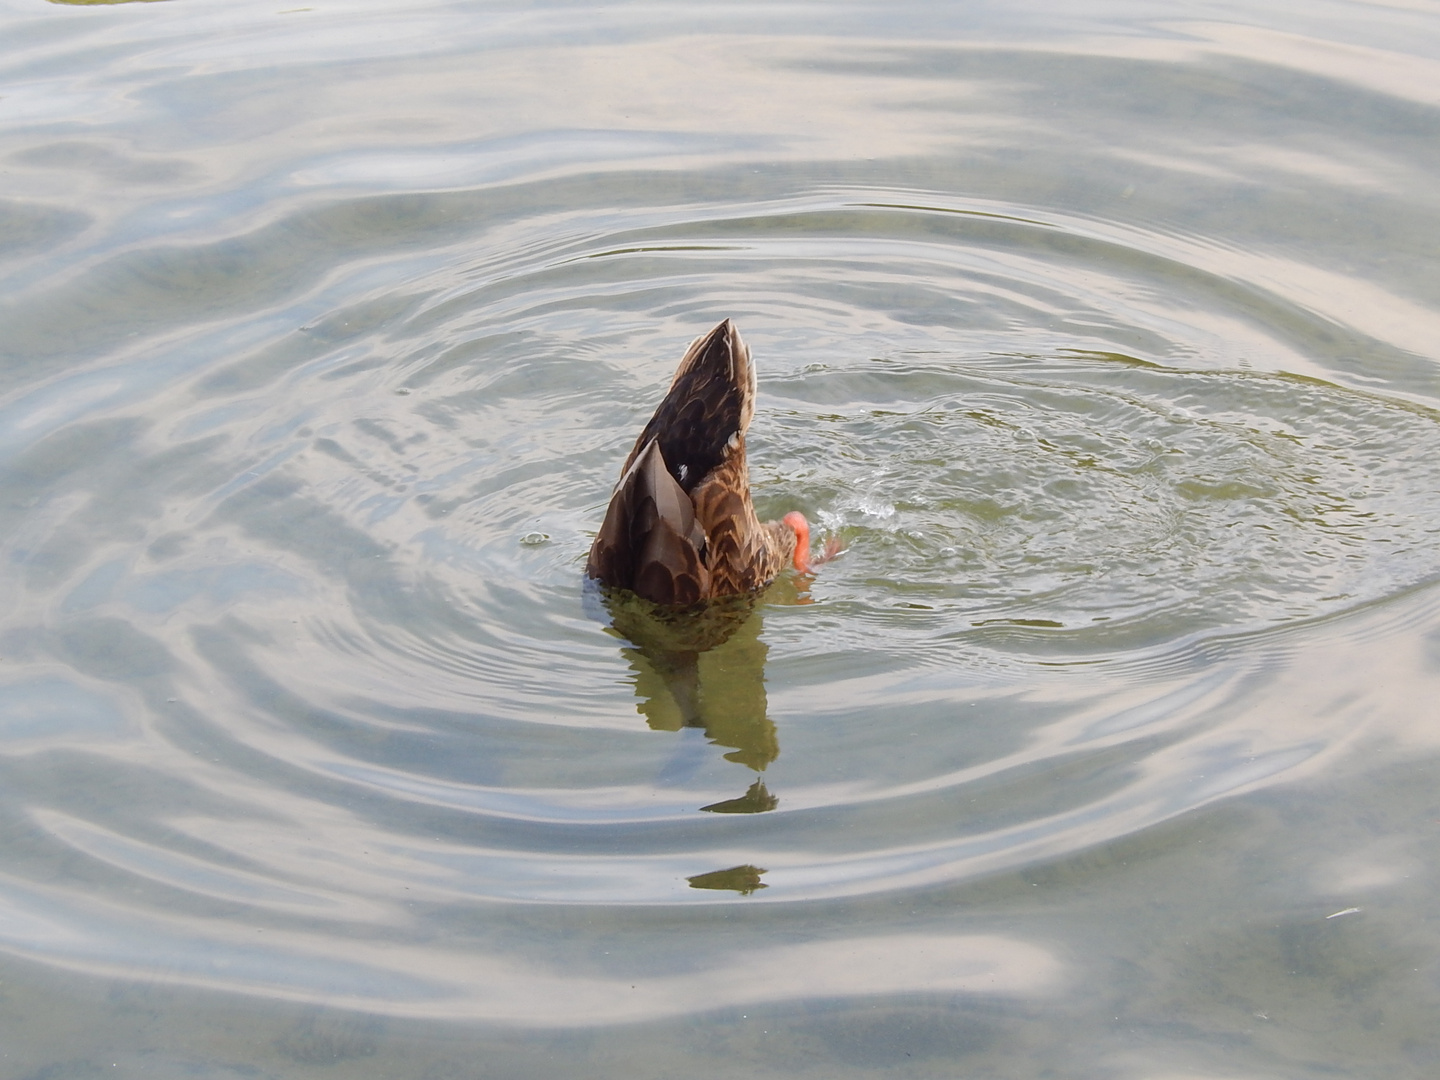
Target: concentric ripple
{"x":408,"y":629}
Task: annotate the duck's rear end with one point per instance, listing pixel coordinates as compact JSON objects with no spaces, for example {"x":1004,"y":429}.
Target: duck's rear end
{"x":680,"y":528}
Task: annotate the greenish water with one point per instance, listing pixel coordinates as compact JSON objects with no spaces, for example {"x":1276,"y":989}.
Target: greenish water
{"x":1104,"y":334}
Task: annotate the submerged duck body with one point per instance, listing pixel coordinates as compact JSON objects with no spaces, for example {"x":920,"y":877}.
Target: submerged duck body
{"x":680,"y":529}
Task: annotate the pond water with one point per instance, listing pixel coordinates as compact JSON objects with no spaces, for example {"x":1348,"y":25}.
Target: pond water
{"x":1104,"y":334}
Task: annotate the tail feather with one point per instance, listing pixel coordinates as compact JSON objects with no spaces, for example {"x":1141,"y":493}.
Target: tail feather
{"x":707,"y":408}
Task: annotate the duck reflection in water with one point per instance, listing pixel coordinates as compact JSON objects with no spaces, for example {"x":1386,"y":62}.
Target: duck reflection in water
{"x":704,"y":668}
{"x":684,"y":557}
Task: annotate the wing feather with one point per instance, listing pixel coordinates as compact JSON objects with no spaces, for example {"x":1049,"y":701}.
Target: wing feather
{"x":651,"y":541}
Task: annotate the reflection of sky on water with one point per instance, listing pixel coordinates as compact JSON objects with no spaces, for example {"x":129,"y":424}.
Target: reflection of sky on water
{"x":56,"y":711}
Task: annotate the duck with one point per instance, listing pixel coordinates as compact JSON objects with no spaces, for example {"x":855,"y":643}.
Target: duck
{"x":680,"y":530}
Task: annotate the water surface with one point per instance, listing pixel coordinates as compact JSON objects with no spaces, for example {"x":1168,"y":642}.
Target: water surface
{"x":1104,"y":335}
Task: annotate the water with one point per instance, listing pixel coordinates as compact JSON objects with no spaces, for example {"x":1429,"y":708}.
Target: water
{"x":1104,"y":334}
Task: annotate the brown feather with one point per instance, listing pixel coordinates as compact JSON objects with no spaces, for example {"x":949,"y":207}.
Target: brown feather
{"x":650,"y":541}
{"x":744,"y":555}
{"x":680,"y":528}
{"x":711,"y":398}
